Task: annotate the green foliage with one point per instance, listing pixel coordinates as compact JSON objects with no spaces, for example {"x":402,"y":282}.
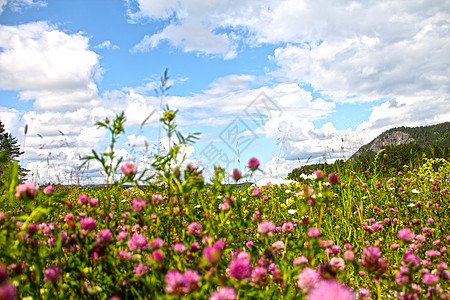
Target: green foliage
{"x":9,"y":153}
{"x":436,"y":136}
{"x":179,"y":238}
{"x":107,"y":159}
{"x":388,"y":161}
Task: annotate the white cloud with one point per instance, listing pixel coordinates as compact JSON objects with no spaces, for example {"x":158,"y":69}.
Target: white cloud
{"x":55,"y":69}
{"x":348,"y":50}
{"x":203,"y":41}
{"x":18,"y":5}
{"x":107,"y":45}
{"x":230,"y":83}
{"x":10,"y":118}
{"x":194,"y":25}
{"x":2,"y":5}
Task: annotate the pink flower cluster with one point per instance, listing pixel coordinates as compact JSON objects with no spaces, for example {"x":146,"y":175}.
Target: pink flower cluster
{"x":181,"y":284}
{"x":27,"y":190}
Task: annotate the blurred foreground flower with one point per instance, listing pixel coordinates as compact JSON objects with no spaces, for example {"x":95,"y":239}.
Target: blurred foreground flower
{"x":128,"y":169}
{"x":253,"y":163}
{"x":28,"y":189}
{"x":48,"y":189}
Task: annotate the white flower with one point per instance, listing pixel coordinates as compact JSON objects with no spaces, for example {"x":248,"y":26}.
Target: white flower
{"x":291,"y":211}
{"x":219,"y":197}
{"x":287,"y":191}
{"x":197,"y":206}
{"x":415,"y":191}
{"x":243,"y":199}
{"x":411,"y":205}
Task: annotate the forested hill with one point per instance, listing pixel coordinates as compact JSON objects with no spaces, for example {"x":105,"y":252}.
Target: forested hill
{"x":433,"y":135}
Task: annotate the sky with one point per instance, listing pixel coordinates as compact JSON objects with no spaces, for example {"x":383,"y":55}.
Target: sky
{"x":291,"y":82}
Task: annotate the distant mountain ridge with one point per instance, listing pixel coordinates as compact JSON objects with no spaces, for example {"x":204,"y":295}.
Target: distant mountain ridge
{"x":433,"y":135}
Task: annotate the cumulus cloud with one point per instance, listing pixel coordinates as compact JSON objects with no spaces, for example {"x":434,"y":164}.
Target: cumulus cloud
{"x":203,"y":41}
{"x":18,"y":5}
{"x":55,"y":69}
{"x":107,"y":45}
{"x":2,"y":5}
{"x":350,"y":51}
{"x":192,"y":25}
{"x":347,"y":51}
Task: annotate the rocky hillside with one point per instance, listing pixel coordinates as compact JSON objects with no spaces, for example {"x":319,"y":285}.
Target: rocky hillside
{"x":434,"y":135}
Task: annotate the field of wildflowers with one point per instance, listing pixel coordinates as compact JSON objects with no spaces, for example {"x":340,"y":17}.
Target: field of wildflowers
{"x":333,"y":236}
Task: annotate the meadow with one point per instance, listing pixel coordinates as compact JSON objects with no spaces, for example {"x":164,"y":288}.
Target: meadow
{"x":343,"y":235}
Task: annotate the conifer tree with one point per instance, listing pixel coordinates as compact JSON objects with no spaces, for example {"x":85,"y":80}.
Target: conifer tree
{"x":9,"y":152}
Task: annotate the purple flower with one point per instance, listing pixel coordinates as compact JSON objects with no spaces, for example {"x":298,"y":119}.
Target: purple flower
{"x":93,"y":201}
{"x":394,"y":246}
{"x":212,"y":255}
{"x":176,"y":283}
{"x":224,"y":293}
{"x":253,"y":163}
{"x":432,"y":253}
{"x":319,"y":174}
{"x":128,"y":169}
{"x":48,"y":189}
{"x":52,"y":274}
{"x":122,"y":235}
{"x":193,"y":278}
{"x":333,"y":178}
{"x":300,"y":261}
{"x":139,"y":204}
{"x":406,"y":235}
{"x":138,"y":242}
{"x":158,"y":256}
{"x":307,"y":279}
{"x":88,"y":223}
{"x":331,"y":290}
{"x":278,"y":245}
{"x":237,"y":174}
{"x":195,"y":246}
{"x":402,"y":278}
{"x":313,"y":232}
{"x":3,"y":273}
{"x":8,"y":291}
{"x":104,"y":236}
{"x":179,"y":248}
{"x":363,"y":294}
{"x":27,"y":190}
{"x":259,"y":275}
{"x":240,"y":268}
{"x":124,"y":254}
{"x":430,"y":279}
{"x":83,"y":199}
{"x":411,"y":259}
{"x":287,"y":227}
{"x":266,"y":227}
{"x":141,"y":269}
{"x":195,"y":229}
{"x":373,"y":261}
{"x":337,"y":263}
{"x":156,"y":243}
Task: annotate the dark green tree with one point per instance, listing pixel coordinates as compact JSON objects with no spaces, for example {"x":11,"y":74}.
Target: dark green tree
{"x":9,"y":152}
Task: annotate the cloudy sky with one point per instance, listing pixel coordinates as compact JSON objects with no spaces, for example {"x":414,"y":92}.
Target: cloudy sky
{"x":287,"y":81}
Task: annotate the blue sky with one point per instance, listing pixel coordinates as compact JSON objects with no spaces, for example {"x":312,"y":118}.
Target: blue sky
{"x":327,"y":76}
